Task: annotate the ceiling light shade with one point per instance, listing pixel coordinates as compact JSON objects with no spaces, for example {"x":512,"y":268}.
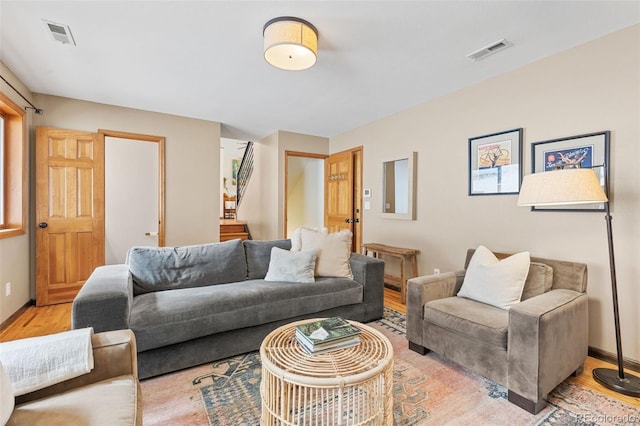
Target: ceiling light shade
{"x":290,"y":43}
{"x":558,"y":187}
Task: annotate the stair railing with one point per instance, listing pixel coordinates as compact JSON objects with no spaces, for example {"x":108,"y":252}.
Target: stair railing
{"x":244,"y":174}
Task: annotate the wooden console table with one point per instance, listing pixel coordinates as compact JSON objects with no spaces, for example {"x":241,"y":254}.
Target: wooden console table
{"x":404,"y":254}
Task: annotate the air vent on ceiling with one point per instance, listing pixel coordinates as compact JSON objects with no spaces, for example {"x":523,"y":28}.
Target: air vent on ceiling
{"x":59,"y":32}
{"x":489,"y":49}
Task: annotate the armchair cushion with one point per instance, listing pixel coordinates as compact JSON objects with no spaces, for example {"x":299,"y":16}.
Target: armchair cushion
{"x":109,"y":402}
{"x":496,"y":282}
{"x":479,"y":321}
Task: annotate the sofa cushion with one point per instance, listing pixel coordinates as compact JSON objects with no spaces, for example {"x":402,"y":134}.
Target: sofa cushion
{"x":258,"y":254}
{"x":539,"y":280}
{"x":167,"y":317}
{"x":475,"y":320}
{"x":496,"y":282}
{"x":110,"y":402}
{"x":292,"y":266}
{"x":166,"y":268}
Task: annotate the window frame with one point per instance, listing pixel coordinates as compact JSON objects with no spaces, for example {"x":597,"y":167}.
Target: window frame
{"x":14,"y":168}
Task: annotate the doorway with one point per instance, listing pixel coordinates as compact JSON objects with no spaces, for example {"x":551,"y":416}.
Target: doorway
{"x":134,"y":193}
{"x":304,"y":191}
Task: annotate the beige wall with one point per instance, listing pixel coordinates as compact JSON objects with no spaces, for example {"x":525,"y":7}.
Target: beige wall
{"x":192,"y":159}
{"x":263,"y":205}
{"x":14,"y":251}
{"x":192,"y":177}
{"x":590,"y":88}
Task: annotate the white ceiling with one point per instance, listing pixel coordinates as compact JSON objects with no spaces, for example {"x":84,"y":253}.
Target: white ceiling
{"x":203,"y":59}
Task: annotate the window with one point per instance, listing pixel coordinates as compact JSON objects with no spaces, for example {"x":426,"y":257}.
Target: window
{"x":12,"y":168}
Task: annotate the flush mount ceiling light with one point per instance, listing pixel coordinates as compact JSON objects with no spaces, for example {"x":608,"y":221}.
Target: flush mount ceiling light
{"x":290,"y":43}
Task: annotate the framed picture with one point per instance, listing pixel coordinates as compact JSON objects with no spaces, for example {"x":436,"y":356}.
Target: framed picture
{"x":582,"y":151}
{"x":494,"y":163}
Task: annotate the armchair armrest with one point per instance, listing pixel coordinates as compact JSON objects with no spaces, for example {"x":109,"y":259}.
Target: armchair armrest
{"x":370,"y":273}
{"x":421,"y":290}
{"x":548,"y":340}
{"x":104,"y":301}
{"x":114,"y":354}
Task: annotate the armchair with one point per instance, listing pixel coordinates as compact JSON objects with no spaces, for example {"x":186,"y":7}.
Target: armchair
{"x":529,"y":349}
{"x":108,"y":395}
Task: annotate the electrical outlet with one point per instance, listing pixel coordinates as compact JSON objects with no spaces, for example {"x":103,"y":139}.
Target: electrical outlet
{"x":436,"y":271}
{"x":7,"y":289}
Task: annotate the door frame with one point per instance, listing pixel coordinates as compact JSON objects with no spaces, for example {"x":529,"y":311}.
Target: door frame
{"x":160,"y":140}
{"x":288,"y":154}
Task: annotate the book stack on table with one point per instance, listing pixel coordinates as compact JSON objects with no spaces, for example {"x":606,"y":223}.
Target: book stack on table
{"x":327,"y":335}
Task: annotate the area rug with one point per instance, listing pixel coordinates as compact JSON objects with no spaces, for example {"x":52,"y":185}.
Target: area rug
{"x":428,"y":390}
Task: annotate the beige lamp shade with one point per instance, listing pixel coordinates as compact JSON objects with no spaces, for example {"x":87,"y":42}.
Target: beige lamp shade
{"x":558,"y":187}
{"x":290,"y":43}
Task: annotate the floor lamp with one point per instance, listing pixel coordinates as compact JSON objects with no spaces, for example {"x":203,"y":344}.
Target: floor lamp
{"x":581,"y":186}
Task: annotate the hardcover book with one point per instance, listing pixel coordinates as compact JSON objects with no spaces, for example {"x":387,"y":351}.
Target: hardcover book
{"x":324,"y":332}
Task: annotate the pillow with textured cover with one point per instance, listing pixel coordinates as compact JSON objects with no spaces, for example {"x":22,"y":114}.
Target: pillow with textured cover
{"x":334,"y":251}
{"x":167,"y":268}
{"x":291,"y":266}
{"x":495,"y":282}
{"x":310,"y":235}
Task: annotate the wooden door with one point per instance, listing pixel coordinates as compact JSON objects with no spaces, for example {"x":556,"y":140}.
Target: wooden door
{"x":69,"y":211}
{"x":343,"y":191}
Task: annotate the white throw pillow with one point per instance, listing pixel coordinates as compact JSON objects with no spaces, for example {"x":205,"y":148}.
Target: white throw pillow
{"x":7,"y":400}
{"x":495,"y":282}
{"x":334,"y":251}
{"x":294,"y":267}
{"x":310,"y":235}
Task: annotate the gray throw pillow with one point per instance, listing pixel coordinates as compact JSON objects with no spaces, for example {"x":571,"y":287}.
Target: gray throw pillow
{"x":292,"y":266}
{"x":166,"y":268}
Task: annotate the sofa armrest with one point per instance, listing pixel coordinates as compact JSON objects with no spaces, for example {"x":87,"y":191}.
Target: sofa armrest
{"x":114,"y":354}
{"x":421,"y":290}
{"x":104,"y":301}
{"x":369,"y":272}
{"x":548,"y":340}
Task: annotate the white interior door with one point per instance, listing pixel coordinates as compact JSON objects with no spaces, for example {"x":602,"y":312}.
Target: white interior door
{"x":131,"y":196}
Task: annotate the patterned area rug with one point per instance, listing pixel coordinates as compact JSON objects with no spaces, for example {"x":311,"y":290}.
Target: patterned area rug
{"x":428,"y":390}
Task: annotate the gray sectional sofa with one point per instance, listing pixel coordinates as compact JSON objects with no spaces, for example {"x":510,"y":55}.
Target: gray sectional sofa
{"x":195,"y":304}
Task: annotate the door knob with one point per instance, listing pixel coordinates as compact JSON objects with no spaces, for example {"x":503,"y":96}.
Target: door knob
{"x":43,"y":225}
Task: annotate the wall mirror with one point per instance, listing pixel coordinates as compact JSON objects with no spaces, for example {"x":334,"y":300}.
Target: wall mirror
{"x":398,"y":187}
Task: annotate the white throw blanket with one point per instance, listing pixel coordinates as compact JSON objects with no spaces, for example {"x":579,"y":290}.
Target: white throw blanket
{"x":38,"y":362}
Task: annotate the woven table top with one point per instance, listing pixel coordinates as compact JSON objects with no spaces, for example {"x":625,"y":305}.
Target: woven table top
{"x":284,"y":357}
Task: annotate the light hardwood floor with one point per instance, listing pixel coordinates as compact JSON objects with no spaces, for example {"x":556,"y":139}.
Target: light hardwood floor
{"x":38,"y":321}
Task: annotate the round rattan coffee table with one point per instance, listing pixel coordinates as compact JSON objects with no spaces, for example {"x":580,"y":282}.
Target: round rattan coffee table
{"x":350,"y":386}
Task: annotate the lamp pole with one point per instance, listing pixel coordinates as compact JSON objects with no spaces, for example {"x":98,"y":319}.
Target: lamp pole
{"x":629,"y":385}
